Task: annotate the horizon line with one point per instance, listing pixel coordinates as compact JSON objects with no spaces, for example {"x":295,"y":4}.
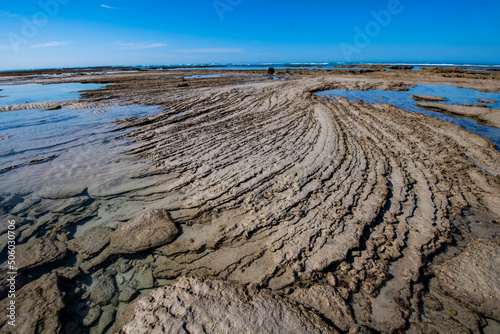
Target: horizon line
{"x":337,"y":63}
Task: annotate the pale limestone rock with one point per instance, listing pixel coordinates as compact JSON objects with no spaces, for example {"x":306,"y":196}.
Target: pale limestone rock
{"x":150,"y":229}
{"x":192,"y":305}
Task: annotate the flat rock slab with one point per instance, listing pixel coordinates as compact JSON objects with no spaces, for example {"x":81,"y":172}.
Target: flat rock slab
{"x":473,"y":277}
{"x":38,"y":252}
{"x":144,"y":279}
{"x":126,"y":294}
{"x":92,"y":242}
{"x":486,"y":101}
{"x":38,"y":305}
{"x":429,"y":98}
{"x":150,"y":229}
{"x":196,"y":306}
{"x":489,"y":116}
{"x":60,"y":192}
{"x":64,"y":205}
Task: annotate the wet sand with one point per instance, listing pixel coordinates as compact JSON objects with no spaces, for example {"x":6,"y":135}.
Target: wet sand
{"x":337,"y":215}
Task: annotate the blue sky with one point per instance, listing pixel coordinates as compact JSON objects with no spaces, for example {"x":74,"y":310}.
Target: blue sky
{"x":65,"y":33}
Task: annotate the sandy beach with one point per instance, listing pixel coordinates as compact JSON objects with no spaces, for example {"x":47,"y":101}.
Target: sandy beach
{"x":249,"y":203}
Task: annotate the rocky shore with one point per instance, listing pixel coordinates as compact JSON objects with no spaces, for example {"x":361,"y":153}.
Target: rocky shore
{"x":266,"y":208}
{"x":483,"y":114}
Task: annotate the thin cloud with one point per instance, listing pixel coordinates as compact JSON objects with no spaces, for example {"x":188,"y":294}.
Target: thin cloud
{"x":5,"y":13}
{"x":135,"y":46}
{"x":6,"y":47}
{"x":48,"y":45}
{"x":222,"y":50}
{"x":108,"y":7}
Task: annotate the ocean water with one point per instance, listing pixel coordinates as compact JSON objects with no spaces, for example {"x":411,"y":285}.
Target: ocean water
{"x":310,"y":66}
{"x":263,"y":66}
{"x":405,"y":101}
{"x":30,"y":93}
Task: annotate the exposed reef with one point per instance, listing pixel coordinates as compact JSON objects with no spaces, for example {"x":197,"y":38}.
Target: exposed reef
{"x":262,"y":207}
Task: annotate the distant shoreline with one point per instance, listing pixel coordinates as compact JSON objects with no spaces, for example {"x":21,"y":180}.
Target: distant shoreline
{"x":337,"y":209}
{"x":246,"y":65}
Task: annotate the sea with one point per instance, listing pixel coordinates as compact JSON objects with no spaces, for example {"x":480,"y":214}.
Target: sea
{"x":276,"y":65}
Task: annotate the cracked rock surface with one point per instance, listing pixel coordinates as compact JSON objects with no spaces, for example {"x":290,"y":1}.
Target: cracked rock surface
{"x":473,"y":277}
{"x":38,"y":252}
{"x":191,"y":305}
{"x":38,"y":305}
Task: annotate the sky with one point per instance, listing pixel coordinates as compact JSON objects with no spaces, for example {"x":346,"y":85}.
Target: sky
{"x":78,"y":33}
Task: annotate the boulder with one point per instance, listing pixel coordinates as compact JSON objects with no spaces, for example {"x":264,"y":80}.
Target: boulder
{"x":38,"y":252}
{"x":126,"y":294}
{"x":38,"y":306}
{"x":210,"y":306}
{"x":102,"y":290}
{"x":473,"y":277}
{"x":150,"y":229}
{"x":106,"y":319}
{"x":92,"y":316}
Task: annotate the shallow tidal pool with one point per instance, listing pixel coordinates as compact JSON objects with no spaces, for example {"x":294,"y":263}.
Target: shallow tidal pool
{"x":405,"y":101}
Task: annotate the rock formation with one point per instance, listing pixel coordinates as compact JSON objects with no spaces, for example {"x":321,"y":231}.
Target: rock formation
{"x":205,"y":306}
{"x":150,"y":229}
{"x":488,"y":116}
{"x":38,"y":252}
{"x":38,"y":306}
{"x":473,"y":277}
{"x":429,"y":98}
